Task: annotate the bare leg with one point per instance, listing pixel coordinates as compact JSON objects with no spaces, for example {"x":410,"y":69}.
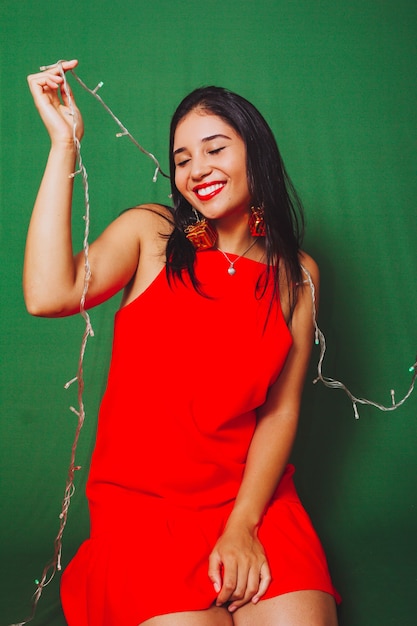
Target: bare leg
{"x":299,"y":608}
{"x":215,"y":616}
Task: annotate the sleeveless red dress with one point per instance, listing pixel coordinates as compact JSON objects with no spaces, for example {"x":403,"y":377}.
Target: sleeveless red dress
{"x":186,"y":376}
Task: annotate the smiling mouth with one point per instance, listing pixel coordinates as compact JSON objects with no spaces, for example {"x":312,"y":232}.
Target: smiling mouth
{"x":208,"y":191}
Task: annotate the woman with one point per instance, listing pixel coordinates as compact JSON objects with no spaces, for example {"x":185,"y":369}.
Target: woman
{"x":194,"y":516}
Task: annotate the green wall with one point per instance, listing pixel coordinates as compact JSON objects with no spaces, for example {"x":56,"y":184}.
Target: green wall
{"x":337,"y":82}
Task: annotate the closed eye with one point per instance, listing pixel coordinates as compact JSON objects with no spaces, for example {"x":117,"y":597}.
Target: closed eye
{"x":185,"y":161}
{"x":182,"y":163}
{"x":216,"y":150}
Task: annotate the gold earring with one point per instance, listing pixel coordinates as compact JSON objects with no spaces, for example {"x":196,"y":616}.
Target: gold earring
{"x":201,"y":234}
{"x":257,"y":225}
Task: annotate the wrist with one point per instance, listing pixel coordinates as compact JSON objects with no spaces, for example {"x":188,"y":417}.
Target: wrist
{"x":63,"y":155}
{"x":244,"y":521}
{"x":65,"y":145}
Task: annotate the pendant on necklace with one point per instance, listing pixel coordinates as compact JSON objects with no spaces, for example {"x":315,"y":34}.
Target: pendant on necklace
{"x":231,"y":269}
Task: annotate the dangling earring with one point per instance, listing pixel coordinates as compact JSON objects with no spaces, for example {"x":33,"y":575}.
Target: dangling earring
{"x":257,"y":222}
{"x":201,"y":234}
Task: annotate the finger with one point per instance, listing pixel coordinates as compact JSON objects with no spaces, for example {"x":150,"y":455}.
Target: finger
{"x":245,"y":592}
{"x":51,"y":81}
{"x":67,"y":95}
{"x":69,"y":65}
{"x":247,"y":582}
{"x":43,"y":79}
{"x":230,"y":578}
{"x":264,"y":582}
{"x":60,"y":65}
{"x":215,"y":571}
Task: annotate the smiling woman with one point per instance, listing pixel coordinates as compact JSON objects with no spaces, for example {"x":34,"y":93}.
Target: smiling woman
{"x":194,"y":514}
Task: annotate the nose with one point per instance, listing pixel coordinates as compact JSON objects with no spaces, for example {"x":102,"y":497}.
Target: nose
{"x":200,"y":167}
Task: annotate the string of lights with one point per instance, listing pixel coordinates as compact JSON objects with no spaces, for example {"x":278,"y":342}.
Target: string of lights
{"x":124,"y":131}
{"x":54,"y":564}
{"x":331,"y":383}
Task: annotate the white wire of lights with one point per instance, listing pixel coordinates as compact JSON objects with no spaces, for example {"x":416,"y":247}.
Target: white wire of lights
{"x":331,"y":383}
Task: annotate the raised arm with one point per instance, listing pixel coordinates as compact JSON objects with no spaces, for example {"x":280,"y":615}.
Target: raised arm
{"x":50,"y":273}
{"x":246,"y":572}
{"x":53,"y":277}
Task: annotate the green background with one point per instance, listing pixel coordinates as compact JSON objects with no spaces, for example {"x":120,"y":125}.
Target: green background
{"x":337,"y":82}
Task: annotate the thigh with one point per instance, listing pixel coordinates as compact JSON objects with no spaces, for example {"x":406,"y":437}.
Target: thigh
{"x":298,"y":608}
{"x":215,"y":616}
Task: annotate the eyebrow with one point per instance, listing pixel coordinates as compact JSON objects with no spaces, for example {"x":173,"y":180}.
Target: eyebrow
{"x":204,"y":140}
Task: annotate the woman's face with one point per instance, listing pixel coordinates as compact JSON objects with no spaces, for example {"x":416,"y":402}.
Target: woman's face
{"x":210,"y":166}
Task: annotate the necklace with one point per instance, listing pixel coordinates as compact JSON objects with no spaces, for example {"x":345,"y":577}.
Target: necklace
{"x":231,"y":269}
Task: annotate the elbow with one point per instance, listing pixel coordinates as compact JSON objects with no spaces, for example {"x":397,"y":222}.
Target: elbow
{"x":42,"y":307}
{"x":36,"y":309}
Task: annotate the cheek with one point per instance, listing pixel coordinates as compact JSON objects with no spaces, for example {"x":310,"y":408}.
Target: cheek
{"x":179,"y":179}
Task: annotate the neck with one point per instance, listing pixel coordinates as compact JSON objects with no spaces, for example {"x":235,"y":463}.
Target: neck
{"x":233,"y":233}
{"x":234,"y":241}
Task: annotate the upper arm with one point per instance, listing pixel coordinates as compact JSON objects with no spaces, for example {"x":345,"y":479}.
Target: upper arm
{"x":115,"y":255}
{"x":284,"y":396}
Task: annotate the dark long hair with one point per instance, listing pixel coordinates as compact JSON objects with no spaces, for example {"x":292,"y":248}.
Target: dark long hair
{"x":268,"y":182}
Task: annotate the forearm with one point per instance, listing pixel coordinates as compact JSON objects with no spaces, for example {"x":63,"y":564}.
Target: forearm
{"x":49,"y":270}
{"x":267,"y":457}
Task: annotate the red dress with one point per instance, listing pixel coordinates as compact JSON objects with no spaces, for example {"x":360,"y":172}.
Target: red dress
{"x":186,"y":376}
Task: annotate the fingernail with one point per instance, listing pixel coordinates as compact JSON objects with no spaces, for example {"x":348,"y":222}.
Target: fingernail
{"x":216,"y":587}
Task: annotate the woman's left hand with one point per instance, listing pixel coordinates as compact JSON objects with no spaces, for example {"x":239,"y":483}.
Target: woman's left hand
{"x":238,"y":568}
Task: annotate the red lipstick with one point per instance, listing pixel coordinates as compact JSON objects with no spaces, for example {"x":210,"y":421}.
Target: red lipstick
{"x":207,"y":191}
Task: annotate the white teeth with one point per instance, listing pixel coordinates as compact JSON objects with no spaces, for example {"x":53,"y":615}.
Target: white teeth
{"x":206,"y":191}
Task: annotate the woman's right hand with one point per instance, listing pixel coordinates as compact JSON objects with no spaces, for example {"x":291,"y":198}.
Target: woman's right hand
{"x":52,"y":102}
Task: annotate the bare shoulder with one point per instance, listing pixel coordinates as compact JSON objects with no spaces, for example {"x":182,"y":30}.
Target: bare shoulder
{"x":150,"y":226}
{"x":139,"y":229}
{"x":143,"y":228}
{"x":148,"y":219}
